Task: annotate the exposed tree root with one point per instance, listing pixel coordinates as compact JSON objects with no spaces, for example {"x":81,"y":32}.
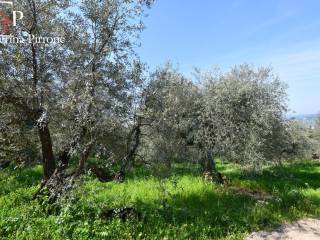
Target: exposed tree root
{"x":123,"y":213}
{"x":104,"y":176}
{"x":315,"y":156}
{"x":216,"y":177}
{"x":56,"y":186}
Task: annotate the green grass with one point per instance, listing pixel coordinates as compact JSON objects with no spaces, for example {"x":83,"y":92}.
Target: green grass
{"x":176,"y":204}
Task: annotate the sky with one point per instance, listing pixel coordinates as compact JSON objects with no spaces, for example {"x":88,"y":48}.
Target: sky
{"x":283,"y":34}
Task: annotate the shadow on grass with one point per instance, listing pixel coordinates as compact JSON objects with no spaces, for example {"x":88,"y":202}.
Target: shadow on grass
{"x":221,"y":212}
{"x":217,"y":214}
{"x":299,"y":175}
{"x":189,"y":208}
{"x":162,"y":171}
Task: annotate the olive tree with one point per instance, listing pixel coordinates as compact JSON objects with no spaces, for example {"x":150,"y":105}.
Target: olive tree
{"x":298,"y":142}
{"x":241,"y":113}
{"x":171,"y":111}
{"x":30,"y":72}
{"x":68,"y":91}
{"x":104,"y":73}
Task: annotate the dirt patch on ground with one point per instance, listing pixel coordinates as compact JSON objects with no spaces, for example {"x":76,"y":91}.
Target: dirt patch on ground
{"x":308,"y":229}
{"x":256,"y":194}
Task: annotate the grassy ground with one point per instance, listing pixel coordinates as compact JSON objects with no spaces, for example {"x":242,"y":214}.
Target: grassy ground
{"x":175,"y":204}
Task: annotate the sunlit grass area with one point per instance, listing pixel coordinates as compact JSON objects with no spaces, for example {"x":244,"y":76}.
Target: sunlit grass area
{"x":174,"y":204}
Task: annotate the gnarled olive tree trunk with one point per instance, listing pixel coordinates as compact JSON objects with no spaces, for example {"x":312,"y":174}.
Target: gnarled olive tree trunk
{"x":48,"y":161}
{"x":209,"y":167}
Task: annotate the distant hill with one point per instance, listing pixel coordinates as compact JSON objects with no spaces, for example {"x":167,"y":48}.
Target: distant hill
{"x":308,"y":119}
